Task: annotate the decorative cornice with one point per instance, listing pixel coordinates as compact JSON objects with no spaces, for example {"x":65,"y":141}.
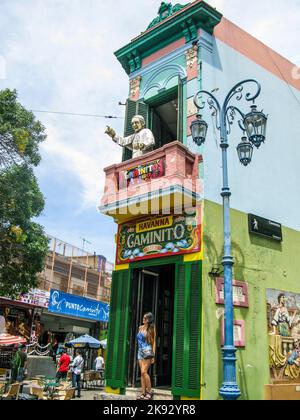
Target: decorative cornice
{"x":166,"y":10}
{"x":184,"y":22}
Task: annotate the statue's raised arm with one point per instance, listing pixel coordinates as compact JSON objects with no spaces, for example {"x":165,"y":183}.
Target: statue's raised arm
{"x":141,"y":142}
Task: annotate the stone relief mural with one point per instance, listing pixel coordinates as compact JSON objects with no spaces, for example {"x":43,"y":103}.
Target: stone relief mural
{"x":283,"y":313}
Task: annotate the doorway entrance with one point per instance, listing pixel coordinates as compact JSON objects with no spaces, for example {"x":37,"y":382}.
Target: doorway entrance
{"x":153,"y":291}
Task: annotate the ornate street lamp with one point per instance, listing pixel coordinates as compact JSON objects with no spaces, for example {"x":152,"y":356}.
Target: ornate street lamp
{"x":254,"y":124}
{"x":245,"y":150}
{"x":199,"y":130}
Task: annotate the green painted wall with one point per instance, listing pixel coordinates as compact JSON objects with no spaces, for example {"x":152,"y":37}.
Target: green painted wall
{"x":263,"y":264}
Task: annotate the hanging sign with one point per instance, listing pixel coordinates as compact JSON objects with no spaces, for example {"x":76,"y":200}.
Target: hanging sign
{"x":145,"y":172}
{"x":159,"y":237}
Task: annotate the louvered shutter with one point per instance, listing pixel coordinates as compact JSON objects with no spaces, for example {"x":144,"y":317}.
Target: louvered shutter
{"x":133,"y":108}
{"x":187,"y":331}
{"x":180,"y":111}
{"x":117,"y":343}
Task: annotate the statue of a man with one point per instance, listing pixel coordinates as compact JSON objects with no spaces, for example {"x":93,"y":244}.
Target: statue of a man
{"x":141,"y":142}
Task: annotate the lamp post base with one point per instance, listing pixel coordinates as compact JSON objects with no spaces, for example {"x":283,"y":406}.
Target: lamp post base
{"x":230,"y":391}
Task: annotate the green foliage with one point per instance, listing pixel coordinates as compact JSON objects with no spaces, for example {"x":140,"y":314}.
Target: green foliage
{"x":23,"y":243}
{"x":20,"y":132}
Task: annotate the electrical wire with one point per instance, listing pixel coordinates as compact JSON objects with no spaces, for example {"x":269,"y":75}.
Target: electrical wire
{"x":76,"y":114}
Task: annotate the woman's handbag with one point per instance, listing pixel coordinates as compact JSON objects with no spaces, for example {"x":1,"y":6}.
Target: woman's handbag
{"x":147,"y":354}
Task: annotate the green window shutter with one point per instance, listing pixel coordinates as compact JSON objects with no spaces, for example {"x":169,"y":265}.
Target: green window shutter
{"x":133,"y":108}
{"x":117,"y":351}
{"x":143,"y":109}
{"x":187,"y":331}
{"x":180,"y":111}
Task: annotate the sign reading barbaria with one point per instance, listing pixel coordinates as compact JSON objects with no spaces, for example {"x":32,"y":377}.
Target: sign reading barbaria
{"x":159,"y":237}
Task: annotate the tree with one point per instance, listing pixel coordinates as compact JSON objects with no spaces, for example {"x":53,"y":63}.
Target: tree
{"x":20,"y":132}
{"x":23,"y":243}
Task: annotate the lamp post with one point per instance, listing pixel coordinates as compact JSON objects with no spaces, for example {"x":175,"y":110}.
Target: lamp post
{"x":254,"y":125}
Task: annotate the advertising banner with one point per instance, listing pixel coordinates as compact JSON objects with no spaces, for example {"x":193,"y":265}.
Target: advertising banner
{"x":159,"y":237}
{"x":78,"y":306}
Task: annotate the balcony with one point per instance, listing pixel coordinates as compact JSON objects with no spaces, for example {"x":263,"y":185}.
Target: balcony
{"x":163,"y":180}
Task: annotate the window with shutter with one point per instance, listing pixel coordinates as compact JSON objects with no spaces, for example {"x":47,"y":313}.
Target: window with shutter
{"x":187,"y":331}
{"x":117,"y":353}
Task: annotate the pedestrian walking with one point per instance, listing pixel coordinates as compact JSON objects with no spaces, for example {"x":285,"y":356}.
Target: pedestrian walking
{"x":63,"y":365}
{"x":77,"y":367}
{"x":19,"y":364}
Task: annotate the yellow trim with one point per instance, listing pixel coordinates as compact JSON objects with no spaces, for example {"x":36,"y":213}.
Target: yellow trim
{"x":196,"y":256}
{"x":189,"y":398}
{"x":122,"y":267}
{"x":109,"y":390}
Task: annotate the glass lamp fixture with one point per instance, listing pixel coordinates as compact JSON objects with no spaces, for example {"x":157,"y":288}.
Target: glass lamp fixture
{"x":245,"y":150}
{"x":255,"y":123}
{"x":199,"y":130}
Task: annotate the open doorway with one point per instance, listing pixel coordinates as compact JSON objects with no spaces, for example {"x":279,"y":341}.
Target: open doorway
{"x":153,"y":291}
{"x":164,"y":122}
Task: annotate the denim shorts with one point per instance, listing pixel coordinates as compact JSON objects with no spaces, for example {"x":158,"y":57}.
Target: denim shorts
{"x":140,"y":354}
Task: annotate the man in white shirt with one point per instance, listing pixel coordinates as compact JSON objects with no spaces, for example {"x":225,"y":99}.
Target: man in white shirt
{"x":99,"y":363}
{"x":141,"y":142}
{"x":77,"y":367}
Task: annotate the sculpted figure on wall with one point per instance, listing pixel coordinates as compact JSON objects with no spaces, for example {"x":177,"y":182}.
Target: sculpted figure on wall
{"x":141,"y":142}
{"x":284,"y":335}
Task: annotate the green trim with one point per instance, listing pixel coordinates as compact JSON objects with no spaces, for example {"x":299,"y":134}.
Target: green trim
{"x":166,"y":10}
{"x":184,"y":113}
{"x":184,"y":24}
{"x":162,"y":97}
{"x":157,"y":261}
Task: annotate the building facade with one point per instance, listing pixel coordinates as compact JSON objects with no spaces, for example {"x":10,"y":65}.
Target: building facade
{"x":72,"y":298}
{"x":168,"y":208}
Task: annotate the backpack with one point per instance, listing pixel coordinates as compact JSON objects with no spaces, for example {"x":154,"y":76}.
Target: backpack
{"x":16,"y":362}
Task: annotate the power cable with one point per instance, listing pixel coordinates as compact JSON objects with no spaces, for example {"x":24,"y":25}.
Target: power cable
{"x":76,"y":114}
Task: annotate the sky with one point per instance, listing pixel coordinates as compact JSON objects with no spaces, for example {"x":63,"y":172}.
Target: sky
{"x":59,"y":55}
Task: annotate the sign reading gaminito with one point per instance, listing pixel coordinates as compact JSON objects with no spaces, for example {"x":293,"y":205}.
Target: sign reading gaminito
{"x":159,"y":237}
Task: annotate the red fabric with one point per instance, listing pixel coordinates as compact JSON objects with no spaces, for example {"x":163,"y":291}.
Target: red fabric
{"x":64,"y":363}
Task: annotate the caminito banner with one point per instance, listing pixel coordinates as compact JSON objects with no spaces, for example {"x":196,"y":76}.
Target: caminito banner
{"x":159,"y":237}
{"x":67,"y":304}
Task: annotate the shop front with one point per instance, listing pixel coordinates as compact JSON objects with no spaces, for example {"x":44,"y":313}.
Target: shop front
{"x":69,"y":316}
{"x":158,"y":270}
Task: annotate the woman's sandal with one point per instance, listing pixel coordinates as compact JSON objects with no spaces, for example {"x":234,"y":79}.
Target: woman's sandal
{"x":148,"y":396}
{"x":141,"y":397}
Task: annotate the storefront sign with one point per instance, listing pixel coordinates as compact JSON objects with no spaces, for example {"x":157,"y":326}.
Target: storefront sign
{"x":144,"y":172}
{"x":159,"y":237}
{"x":239,"y":292}
{"x":36,"y":297}
{"x":67,"y":304}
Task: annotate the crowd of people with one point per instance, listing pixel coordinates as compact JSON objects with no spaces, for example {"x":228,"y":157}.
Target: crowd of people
{"x":65,"y":364}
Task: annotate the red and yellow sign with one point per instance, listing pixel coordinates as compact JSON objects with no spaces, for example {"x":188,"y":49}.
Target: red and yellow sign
{"x":159,"y":237}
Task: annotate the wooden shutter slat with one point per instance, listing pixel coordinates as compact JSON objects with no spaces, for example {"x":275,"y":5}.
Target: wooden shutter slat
{"x":187,"y":331}
{"x":117,"y":353}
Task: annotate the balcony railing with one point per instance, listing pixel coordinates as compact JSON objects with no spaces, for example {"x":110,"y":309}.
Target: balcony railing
{"x":154,"y":183}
